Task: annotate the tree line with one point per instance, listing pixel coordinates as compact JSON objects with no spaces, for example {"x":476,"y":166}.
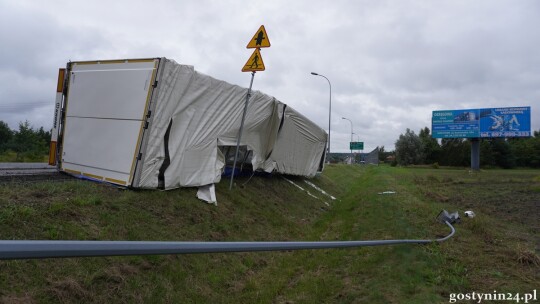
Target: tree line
{"x":421,"y":148}
{"x":29,"y":144}
{"x":24,"y":144}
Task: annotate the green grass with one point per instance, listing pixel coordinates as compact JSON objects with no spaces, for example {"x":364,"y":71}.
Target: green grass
{"x":10,"y":157}
{"x":497,"y":250}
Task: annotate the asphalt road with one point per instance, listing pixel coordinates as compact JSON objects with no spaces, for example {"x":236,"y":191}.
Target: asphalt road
{"x":11,"y":169}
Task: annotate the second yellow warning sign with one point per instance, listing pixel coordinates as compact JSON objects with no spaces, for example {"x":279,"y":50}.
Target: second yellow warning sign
{"x":254,"y":63}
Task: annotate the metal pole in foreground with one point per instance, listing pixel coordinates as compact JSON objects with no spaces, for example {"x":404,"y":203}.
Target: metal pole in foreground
{"x":25,"y":249}
{"x":241,"y":129}
{"x":351,"y":137}
{"x":329,"y":109}
{"x":358,"y":140}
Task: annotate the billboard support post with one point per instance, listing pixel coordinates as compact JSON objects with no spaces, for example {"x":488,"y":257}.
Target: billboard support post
{"x":475,"y":154}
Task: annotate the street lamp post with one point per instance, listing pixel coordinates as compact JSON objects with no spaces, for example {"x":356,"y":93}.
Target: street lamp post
{"x":358,"y":140}
{"x":351,"y":136}
{"x":329,"y":109}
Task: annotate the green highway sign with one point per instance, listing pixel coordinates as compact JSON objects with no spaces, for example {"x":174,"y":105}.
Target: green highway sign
{"x":356,"y":145}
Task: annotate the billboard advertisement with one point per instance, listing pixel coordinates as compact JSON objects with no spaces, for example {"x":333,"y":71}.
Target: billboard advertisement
{"x":482,"y":123}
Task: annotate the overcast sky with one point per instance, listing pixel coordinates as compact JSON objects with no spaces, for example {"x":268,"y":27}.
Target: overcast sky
{"x":391,"y":63}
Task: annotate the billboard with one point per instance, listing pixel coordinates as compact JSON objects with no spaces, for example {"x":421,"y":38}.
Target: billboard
{"x":485,"y":123}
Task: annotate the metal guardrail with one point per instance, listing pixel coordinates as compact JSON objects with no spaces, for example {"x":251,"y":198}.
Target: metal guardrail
{"x":27,"y":249}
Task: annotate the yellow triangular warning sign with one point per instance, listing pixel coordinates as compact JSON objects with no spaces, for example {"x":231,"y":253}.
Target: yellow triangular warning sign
{"x":259,"y":40}
{"x":254,"y":63}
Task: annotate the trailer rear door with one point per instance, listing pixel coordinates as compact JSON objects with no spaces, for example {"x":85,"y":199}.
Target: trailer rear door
{"x":105,"y":113}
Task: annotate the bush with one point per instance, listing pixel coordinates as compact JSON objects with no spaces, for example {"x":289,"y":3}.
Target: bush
{"x":409,"y":149}
{"x":26,"y":143}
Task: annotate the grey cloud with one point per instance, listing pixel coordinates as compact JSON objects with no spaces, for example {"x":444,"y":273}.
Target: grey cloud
{"x":390,"y":62}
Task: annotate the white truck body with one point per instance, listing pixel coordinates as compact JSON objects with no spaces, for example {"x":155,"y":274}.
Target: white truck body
{"x":153,"y":123}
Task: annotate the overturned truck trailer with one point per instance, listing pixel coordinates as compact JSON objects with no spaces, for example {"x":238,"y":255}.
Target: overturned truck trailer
{"x":156,"y":124}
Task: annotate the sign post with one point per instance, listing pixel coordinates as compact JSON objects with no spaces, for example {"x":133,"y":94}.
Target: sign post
{"x":357,"y":145}
{"x":255,"y":63}
{"x":475,"y":154}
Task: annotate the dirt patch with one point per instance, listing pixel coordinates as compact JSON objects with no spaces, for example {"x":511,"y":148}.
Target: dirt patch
{"x":68,"y":290}
{"x":527,"y":257}
{"x":22,"y":299}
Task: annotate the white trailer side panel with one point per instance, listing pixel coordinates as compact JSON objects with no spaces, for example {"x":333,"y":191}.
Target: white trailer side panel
{"x":105,"y":114}
{"x":116,"y":91}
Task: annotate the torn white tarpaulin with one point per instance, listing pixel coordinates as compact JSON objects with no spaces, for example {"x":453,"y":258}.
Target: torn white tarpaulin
{"x":208,"y":194}
{"x":194,"y":114}
{"x":299,"y":146}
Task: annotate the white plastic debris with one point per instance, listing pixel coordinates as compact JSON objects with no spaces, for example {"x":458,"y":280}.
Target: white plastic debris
{"x":319,"y":189}
{"x":469,"y":213}
{"x":387,"y":192}
{"x":297,"y":186}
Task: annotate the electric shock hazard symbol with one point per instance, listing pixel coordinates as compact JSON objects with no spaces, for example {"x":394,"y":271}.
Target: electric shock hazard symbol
{"x":254,"y":63}
{"x":259,"y":40}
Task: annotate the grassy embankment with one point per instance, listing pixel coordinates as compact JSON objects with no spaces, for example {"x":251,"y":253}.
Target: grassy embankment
{"x":494,"y":251}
